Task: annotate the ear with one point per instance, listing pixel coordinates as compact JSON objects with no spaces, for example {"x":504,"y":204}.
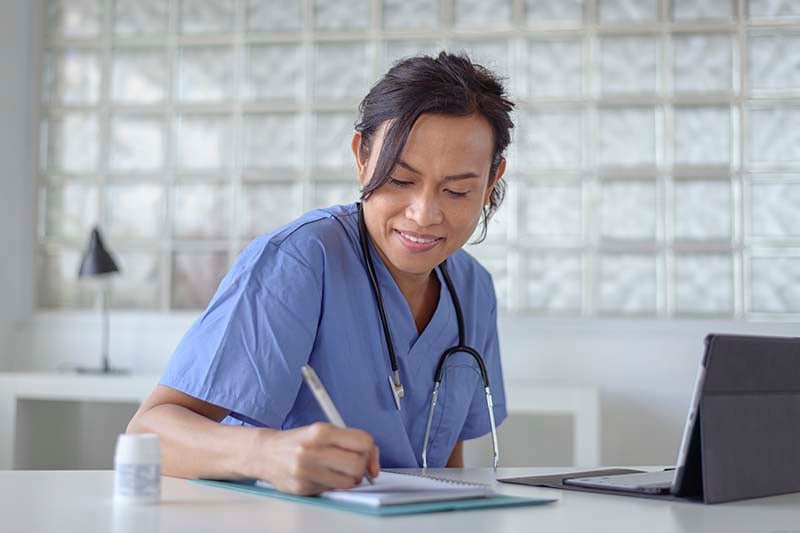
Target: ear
{"x":361,"y":158}
{"x":501,"y":169}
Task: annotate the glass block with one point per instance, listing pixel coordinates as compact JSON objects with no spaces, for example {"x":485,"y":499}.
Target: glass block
{"x":775,"y":284}
{"x":703,"y":135}
{"x":200,"y":211}
{"x":203,"y":142}
{"x":627,"y":64}
{"x":58,"y":284}
{"x":775,"y":209}
{"x":703,"y":210}
{"x":274,"y":15}
{"x":775,"y":135}
{"x":139,"y":76}
{"x":72,"y":142}
{"x":552,"y":210}
{"x":774,"y":8}
{"x":774,"y":62}
{"x":70,"y":211}
{"x":332,"y":134}
{"x":494,"y":55}
{"x":140,"y":17}
{"x":207,"y":16}
{"x":555,"y":68}
{"x":704,"y":284}
{"x":628,"y":210}
{"x":139,"y":285}
{"x":342,"y":71}
{"x":479,"y":14}
{"x":547,"y":11}
{"x":75,"y":18}
{"x":495,"y":260}
{"x":341,"y":14}
{"x":195,"y":278}
{"x":134,"y":212}
{"x":265,"y":207}
{"x":702,"y":62}
{"x":137,"y":143}
{"x":550,"y":139}
{"x":554,"y":281}
{"x":703,"y":9}
{"x":205,"y":73}
{"x":627,"y":137}
{"x":411,"y":14}
{"x":326,"y":194}
{"x":273,"y":141}
{"x":617,"y":11}
{"x":628,"y":284}
{"x":397,"y":50}
{"x":73,"y":77}
{"x":273,"y":72}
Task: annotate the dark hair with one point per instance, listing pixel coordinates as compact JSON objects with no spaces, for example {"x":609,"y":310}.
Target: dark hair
{"x":450,"y":84}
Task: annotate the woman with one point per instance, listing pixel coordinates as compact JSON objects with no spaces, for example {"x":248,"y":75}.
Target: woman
{"x":429,"y":148}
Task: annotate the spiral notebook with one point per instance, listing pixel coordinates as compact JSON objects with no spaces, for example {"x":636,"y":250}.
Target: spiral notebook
{"x":393,"y":494}
{"x":391,"y":488}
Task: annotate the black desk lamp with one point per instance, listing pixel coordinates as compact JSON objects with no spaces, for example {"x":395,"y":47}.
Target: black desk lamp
{"x":98,"y":263}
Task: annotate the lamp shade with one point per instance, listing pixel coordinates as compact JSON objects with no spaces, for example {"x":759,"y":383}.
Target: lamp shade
{"x":97,"y":260}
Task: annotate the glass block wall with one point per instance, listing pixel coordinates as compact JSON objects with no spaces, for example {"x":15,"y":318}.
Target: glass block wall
{"x":655,"y":169}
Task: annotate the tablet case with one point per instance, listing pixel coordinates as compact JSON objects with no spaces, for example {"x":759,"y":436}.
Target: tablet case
{"x":745,"y":440}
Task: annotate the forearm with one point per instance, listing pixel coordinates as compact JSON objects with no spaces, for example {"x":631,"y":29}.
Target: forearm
{"x":194,"y":446}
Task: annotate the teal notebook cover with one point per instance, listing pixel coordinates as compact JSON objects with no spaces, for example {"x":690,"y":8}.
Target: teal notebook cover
{"x":498,"y":500}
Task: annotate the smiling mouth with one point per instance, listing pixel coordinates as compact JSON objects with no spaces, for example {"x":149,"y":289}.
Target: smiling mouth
{"x":418,"y":243}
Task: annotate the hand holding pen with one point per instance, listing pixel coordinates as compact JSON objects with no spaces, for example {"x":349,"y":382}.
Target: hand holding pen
{"x":326,"y":404}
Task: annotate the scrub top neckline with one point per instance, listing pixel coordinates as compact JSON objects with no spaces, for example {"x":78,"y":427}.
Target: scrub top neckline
{"x":439,"y":321}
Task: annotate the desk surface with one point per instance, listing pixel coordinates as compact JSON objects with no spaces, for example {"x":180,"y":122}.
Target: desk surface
{"x":35,"y":501}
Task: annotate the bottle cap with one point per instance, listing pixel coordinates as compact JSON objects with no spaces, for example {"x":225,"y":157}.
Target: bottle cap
{"x":140,"y":448}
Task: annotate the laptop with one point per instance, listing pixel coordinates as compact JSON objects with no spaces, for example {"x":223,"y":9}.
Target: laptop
{"x":685,"y":478}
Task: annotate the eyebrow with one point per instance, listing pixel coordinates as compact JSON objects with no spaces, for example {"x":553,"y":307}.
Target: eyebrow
{"x":463,"y":176}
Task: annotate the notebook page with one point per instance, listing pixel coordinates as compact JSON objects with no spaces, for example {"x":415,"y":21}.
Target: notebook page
{"x":391,"y":488}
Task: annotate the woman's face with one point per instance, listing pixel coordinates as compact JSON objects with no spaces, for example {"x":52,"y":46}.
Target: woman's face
{"x":432,"y":204}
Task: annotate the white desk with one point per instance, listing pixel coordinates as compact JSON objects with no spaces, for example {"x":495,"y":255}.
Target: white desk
{"x":581,"y":402}
{"x":39,"y":501}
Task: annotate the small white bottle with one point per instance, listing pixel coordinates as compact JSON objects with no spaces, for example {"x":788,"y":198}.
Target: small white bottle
{"x":137,"y":468}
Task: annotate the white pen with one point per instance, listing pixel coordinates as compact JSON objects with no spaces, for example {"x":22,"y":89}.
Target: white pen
{"x":324,"y":400}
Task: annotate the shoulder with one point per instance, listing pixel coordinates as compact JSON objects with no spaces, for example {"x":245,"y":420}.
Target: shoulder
{"x":305,"y":241}
{"x":472,"y":276}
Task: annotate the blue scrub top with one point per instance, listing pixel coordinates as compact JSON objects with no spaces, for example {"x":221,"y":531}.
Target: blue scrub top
{"x":301,"y":295}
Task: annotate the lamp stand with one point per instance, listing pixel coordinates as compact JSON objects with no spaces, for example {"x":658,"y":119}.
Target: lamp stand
{"x":106,"y":367}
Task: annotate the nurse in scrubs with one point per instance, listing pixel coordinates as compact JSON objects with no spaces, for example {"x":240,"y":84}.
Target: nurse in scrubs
{"x":429,"y":145}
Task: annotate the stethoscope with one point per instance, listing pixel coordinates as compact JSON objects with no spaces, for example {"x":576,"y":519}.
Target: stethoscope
{"x":394,"y":380}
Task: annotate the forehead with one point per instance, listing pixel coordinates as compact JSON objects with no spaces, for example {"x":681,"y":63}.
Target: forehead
{"x":450,"y":140}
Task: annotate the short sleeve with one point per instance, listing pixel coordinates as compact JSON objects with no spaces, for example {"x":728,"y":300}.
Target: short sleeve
{"x":245,"y":351}
{"x":477,"y":422}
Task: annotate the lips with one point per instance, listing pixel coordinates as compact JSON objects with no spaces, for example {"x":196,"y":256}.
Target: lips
{"x":417,"y":242}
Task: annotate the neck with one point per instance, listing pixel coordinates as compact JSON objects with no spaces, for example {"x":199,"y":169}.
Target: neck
{"x":421,"y":291}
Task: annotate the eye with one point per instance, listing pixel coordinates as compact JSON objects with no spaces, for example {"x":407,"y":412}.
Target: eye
{"x":457,"y":194}
{"x":400,"y":183}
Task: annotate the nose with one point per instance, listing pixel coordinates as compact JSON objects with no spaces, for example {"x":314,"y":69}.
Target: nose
{"x":425,"y":211}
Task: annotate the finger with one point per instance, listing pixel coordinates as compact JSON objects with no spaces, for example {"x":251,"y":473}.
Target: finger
{"x":329,"y":478}
{"x":346,"y":462}
{"x":351,"y":439}
{"x":374,"y":462}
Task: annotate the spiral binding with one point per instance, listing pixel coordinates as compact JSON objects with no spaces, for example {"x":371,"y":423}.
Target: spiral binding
{"x":445,"y":480}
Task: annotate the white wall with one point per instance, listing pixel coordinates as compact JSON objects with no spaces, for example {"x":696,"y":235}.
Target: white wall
{"x":645,"y":369}
{"x":18,"y":87}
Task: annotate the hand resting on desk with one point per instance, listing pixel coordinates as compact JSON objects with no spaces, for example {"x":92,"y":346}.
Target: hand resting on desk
{"x":306,"y":460}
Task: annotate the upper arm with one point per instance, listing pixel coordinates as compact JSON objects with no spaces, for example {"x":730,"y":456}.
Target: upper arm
{"x":163,"y":395}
